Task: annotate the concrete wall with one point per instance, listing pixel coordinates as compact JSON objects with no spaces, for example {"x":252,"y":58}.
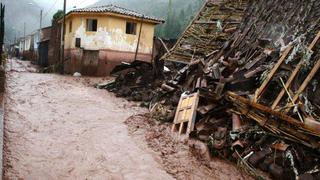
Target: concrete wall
{"x":54,"y":44}
{"x":111,"y":41}
{"x":111,"y":34}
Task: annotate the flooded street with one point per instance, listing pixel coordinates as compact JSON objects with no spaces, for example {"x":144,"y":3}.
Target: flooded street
{"x":60,"y":127}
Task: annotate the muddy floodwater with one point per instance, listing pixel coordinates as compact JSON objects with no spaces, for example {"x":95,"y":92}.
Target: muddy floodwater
{"x":59,"y":127}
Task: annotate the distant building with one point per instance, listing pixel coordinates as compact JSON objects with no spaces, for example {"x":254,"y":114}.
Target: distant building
{"x":28,"y":46}
{"x":21,"y":46}
{"x":43,"y":46}
{"x":99,"y":38}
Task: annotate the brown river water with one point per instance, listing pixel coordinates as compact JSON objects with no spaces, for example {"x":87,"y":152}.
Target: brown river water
{"x":60,"y":127}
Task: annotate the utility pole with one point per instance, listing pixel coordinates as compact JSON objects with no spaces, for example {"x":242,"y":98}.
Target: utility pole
{"x":39,"y":34}
{"x":2,"y":31}
{"x":41,"y":11}
{"x":41,"y":19}
{"x":63,"y":37}
{"x":24,"y":29}
{"x":24,"y":36}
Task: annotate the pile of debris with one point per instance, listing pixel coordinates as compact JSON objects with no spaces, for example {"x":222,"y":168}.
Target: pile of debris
{"x":134,"y":81}
{"x":257,"y":100}
{"x":139,"y":80}
{"x":253,"y":97}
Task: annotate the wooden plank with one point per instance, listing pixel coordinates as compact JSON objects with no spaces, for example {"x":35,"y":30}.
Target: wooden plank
{"x":294,"y":74}
{"x":304,"y":84}
{"x":271,"y":74}
{"x":315,"y":40}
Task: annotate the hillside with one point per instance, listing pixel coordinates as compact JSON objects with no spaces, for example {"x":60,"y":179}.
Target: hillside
{"x":19,"y":12}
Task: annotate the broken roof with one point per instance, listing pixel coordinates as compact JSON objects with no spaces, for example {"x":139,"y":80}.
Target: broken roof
{"x":206,"y":34}
{"x":117,"y":10}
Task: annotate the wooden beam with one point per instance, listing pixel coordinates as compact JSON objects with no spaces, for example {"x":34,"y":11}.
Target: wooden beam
{"x":280,"y":115}
{"x":215,"y":22}
{"x":314,"y":42}
{"x":305,"y":84}
{"x":294,"y":74}
{"x":271,"y":74}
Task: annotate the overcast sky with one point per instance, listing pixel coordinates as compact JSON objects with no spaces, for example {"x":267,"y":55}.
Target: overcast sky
{"x":51,"y":5}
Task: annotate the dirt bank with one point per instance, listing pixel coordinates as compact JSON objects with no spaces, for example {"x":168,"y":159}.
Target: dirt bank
{"x":182,"y":158}
{"x":57,"y":127}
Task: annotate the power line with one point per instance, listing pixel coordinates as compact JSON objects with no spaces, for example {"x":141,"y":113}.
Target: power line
{"x":50,"y":9}
{"x":47,"y":13}
{"x":82,"y":2}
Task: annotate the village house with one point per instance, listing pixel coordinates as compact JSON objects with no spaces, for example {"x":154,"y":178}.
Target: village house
{"x":99,"y":38}
{"x":43,"y":46}
{"x":21,"y":45}
{"x":28,"y":46}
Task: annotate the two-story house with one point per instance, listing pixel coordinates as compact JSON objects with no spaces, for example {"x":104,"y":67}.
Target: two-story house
{"x":99,"y":38}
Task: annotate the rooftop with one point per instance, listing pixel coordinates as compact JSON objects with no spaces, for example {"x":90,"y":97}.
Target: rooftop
{"x":117,"y":10}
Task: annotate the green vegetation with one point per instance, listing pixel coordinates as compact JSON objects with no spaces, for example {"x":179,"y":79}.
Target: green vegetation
{"x":57,"y":15}
{"x":177,"y":19}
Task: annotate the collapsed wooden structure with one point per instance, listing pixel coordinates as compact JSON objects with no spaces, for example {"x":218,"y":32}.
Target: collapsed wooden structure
{"x":211,"y":27}
{"x":264,"y":71}
{"x":254,"y":70}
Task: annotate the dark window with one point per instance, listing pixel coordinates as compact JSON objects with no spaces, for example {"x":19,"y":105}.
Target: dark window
{"x":131,"y":28}
{"x":70,"y":26}
{"x":92,"y":24}
{"x":78,"y":42}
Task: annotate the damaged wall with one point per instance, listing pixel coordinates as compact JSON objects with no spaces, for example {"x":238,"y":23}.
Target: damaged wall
{"x":111,"y":40}
{"x":54,"y":44}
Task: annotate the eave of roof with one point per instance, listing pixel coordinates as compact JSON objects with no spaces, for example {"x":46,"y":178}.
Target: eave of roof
{"x":115,"y":10}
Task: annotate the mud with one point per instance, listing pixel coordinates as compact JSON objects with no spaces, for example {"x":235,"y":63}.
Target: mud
{"x":182,"y":158}
{"x":57,"y":127}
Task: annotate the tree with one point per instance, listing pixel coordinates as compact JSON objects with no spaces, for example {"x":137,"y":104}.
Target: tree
{"x":178,"y":14}
{"x":59,"y":14}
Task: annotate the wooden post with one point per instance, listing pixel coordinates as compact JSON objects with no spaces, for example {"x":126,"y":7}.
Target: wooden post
{"x":138,"y":44}
{"x":63,"y":38}
{"x":2,"y":10}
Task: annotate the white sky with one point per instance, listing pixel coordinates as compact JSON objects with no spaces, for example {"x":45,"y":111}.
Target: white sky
{"x":58,"y":4}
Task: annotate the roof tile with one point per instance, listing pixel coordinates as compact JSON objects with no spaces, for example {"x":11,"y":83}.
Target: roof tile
{"x":115,"y":9}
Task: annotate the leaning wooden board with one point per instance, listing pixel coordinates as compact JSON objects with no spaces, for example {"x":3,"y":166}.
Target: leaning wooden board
{"x":186,"y":113}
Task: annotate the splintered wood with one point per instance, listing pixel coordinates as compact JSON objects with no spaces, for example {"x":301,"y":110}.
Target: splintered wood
{"x":281,"y":125}
{"x":203,"y":37}
{"x":186,"y":114}
{"x":298,"y":68}
{"x":294,"y":73}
